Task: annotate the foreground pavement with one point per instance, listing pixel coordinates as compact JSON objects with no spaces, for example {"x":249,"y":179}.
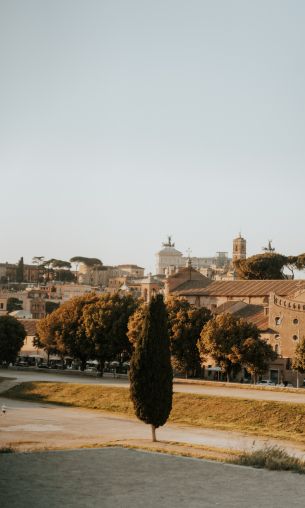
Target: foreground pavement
{"x":115,"y":477}
{"x":215,"y":389}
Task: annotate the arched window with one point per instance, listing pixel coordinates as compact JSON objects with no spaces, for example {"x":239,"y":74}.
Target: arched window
{"x":295,"y":321}
{"x":295,"y":337}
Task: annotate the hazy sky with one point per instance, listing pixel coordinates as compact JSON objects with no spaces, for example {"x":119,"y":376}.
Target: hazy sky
{"x":124,"y":120}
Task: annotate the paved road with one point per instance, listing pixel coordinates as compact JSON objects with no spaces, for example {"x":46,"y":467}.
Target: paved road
{"x":28,"y":425}
{"x":122,"y":478}
{"x":223,"y":391}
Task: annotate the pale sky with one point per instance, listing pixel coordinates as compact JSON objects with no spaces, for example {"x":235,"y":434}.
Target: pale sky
{"x":122,"y":121}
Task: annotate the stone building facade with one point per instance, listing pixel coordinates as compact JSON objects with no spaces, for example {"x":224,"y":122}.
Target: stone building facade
{"x":169,"y":260}
{"x":276,"y":307}
{"x":239,"y":248}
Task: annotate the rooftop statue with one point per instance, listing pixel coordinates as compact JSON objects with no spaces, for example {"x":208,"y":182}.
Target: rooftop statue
{"x":269,"y":247}
{"x":169,"y":243}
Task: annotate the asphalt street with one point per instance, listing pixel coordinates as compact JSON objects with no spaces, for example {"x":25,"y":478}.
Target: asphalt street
{"x":115,"y":477}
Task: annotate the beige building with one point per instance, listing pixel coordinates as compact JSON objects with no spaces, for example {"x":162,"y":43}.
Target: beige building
{"x":28,"y":349}
{"x":131,"y":270}
{"x":248,"y":291}
{"x":8,"y":273}
{"x":276,"y":307}
{"x":99,"y":275}
{"x":169,"y":260}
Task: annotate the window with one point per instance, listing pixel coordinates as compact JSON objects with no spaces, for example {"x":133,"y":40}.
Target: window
{"x":295,"y":321}
{"x":277,"y":320}
{"x":295,"y":337}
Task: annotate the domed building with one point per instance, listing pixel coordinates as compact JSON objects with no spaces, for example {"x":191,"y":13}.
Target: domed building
{"x":168,"y":257}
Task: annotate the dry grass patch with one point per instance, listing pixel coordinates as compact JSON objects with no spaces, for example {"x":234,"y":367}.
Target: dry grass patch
{"x":264,"y":418}
{"x":268,"y":418}
{"x":273,"y":458}
{"x":114,"y":400}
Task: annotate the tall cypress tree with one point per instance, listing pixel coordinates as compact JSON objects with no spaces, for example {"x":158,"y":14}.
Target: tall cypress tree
{"x":151,"y":375}
{"x":20,"y":270}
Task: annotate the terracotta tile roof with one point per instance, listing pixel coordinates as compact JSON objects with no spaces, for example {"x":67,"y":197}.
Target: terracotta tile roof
{"x":190,"y":271}
{"x":246,"y":288}
{"x":254,"y":314}
{"x":190,"y":284}
{"x":229,"y":306}
{"x":30,"y":326}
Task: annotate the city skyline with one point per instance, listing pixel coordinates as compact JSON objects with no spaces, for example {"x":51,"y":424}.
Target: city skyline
{"x":124,"y":122}
{"x":185,"y":252}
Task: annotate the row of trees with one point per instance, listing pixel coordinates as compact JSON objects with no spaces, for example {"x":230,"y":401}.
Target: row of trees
{"x":108,"y":327}
{"x":60,"y":270}
{"x":88,"y":327}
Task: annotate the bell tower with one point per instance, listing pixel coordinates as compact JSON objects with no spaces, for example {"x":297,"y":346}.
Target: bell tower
{"x":239,"y":248}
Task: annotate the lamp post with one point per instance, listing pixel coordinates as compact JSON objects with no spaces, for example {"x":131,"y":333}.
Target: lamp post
{"x":297,"y":369}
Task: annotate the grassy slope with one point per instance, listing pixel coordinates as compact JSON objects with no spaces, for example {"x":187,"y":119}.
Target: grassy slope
{"x":265,"y":418}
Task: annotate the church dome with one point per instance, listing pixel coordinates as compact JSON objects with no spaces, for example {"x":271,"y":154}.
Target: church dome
{"x":169,"y":251}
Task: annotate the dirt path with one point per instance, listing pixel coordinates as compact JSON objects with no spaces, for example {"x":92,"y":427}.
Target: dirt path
{"x":28,"y":426}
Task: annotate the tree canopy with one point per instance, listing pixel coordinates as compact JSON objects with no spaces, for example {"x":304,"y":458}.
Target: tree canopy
{"x":12,"y":335}
{"x":269,"y":265}
{"x":88,"y":327}
{"x":63,"y":330}
{"x":86,"y":261}
{"x":298,"y":362}
{"x":105,"y":324}
{"x":20,"y":270}
{"x":232,"y":343}
{"x":135,"y":324}
{"x":255,"y":354}
{"x":185,"y":325}
{"x":57,"y":269}
{"x":13,"y":304}
{"x":46,"y":337}
{"x":151,"y":376}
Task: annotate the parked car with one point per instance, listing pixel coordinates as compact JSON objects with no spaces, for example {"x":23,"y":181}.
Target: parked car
{"x":91,"y":367}
{"x":43,"y":365}
{"x":21,"y":363}
{"x":57,"y":365}
{"x":266,"y":382}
